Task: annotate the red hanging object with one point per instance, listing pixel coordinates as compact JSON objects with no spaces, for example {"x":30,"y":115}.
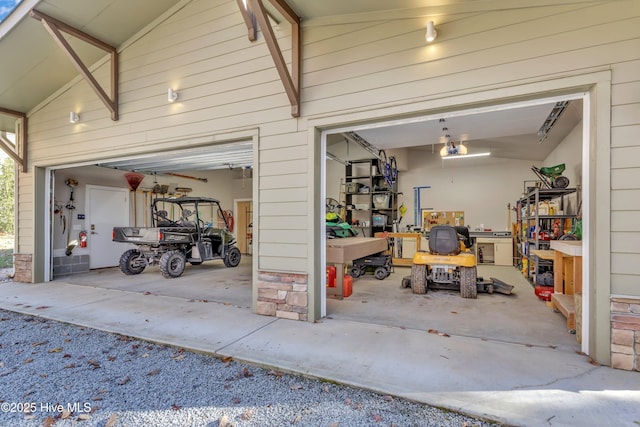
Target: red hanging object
{"x":134,"y":179}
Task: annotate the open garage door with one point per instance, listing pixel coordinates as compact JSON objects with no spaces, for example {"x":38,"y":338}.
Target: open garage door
{"x":477,"y":187}
{"x":221,"y":171}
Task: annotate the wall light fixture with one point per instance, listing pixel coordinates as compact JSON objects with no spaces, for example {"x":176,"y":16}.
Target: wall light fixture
{"x":431,"y":33}
{"x":172,"y":95}
{"x":74,"y":117}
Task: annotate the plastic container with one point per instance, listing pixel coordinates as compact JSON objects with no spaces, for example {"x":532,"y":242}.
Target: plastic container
{"x":544,"y":292}
{"x":353,"y":187}
{"x":347,"y":287}
{"x":331,"y":276}
{"x":379,"y":220}
{"x":381,"y":201}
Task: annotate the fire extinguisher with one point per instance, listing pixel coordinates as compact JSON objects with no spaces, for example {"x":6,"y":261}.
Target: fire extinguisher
{"x":83,"y":238}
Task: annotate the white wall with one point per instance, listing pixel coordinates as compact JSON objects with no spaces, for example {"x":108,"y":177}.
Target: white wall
{"x":481,"y":188}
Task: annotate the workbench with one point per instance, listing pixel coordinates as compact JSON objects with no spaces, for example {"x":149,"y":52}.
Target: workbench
{"x":567,"y":277}
{"x":343,"y":251}
{"x":412,"y":242}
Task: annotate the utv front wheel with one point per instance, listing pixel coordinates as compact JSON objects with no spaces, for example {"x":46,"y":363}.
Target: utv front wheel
{"x":419,"y":278}
{"x":468,"y":284}
{"x":132,"y":262}
{"x":172,"y":264}
{"x":232,"y":257}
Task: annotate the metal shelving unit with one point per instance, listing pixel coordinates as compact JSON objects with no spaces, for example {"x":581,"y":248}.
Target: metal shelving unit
{"x":535,"y":226}
{"x":364,"y":187}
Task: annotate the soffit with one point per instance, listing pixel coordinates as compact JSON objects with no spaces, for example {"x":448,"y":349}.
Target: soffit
{"x":34,"y":67}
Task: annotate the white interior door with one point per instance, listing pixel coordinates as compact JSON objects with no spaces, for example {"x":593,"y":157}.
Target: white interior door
{"x":107,"y":207}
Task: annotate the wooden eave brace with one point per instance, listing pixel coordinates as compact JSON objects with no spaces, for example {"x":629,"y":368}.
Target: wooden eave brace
{"x":18,"y":155}
{"x":54,"y":27}
{"x":291,"y":81}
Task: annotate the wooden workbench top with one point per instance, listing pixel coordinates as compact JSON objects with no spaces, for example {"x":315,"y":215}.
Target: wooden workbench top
{"x":543,"y":254}
{"x":345,"y":250}
{"x":568,"y":247}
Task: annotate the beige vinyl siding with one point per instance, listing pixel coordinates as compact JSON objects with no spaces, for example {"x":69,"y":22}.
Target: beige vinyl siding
{"x":625,"y":176}
{"x":226,"y":84}
{"x":487,"y":49}
{"x":24,"y":227}
{"x":284,"y":198}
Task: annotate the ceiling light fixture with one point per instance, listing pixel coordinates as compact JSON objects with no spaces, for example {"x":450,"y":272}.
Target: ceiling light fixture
{"x":431,"y":33}
{"x":74,"y":117}
{"x":451,"y":148}
{"x":172,"y":95}
{"x":464,"y":156}
{"x":551,"y":120}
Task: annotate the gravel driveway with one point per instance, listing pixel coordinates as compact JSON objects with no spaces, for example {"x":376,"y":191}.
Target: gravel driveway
{"x":53,"y":373}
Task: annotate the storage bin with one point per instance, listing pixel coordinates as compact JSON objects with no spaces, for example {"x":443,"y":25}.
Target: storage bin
{"x":361,"y":206}
{"x":379,"y":220}
{"x":381,"y":201}
{"x":544,"y":292}
{"x":352,"y":187}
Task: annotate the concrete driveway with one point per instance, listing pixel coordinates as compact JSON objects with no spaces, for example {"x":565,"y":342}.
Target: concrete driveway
{"x":507,"y":358}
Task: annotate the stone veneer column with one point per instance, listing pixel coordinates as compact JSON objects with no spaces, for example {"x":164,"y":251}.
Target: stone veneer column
{"x":283,"y":295}
{"x":22,"y":266}
{"x":625,"y":333}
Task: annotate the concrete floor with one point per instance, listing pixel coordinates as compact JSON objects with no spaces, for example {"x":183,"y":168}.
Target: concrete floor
{"x":519,"y":318}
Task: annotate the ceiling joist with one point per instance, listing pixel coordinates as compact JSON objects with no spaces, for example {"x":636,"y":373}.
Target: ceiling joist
{"x":55,"y":27}
{"x":17,"y":152}
{"x":291,"y":81}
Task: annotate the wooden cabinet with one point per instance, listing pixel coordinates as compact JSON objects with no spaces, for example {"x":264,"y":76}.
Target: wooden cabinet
{"x":495,"y":250}
{"x":503,"y":251}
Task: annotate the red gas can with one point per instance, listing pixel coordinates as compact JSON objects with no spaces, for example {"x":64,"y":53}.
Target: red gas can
{"x":331,"y":276}
{"x":347,"y":286}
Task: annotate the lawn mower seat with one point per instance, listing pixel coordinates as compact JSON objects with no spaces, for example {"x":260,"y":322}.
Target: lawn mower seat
{"x":464,"y":231}
{"x":443,"y":240}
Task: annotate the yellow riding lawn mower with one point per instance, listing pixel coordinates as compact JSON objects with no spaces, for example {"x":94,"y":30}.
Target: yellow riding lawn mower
{"x":451,"y":265}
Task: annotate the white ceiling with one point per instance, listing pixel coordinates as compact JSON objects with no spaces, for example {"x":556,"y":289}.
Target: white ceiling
{"x":508,"y":132}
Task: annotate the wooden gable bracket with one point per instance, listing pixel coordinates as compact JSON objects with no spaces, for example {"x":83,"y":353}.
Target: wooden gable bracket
{"x":54,"y":27}
{"x":18,"y":152}
{"x":291,"y":81}
{"x":249,"y":20}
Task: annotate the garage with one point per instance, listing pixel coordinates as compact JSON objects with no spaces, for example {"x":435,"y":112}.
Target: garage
{"x":485,"y":190}
{"x":88,"y":201}
{"x":301,"y":82}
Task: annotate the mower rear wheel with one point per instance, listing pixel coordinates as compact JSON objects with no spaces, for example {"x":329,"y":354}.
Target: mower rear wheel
{"x":380,"y":273}
{"x":172,"y":264}
{"x":419,"y":279}
{"x":468,"y":285}
{"x":355,"y":272}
